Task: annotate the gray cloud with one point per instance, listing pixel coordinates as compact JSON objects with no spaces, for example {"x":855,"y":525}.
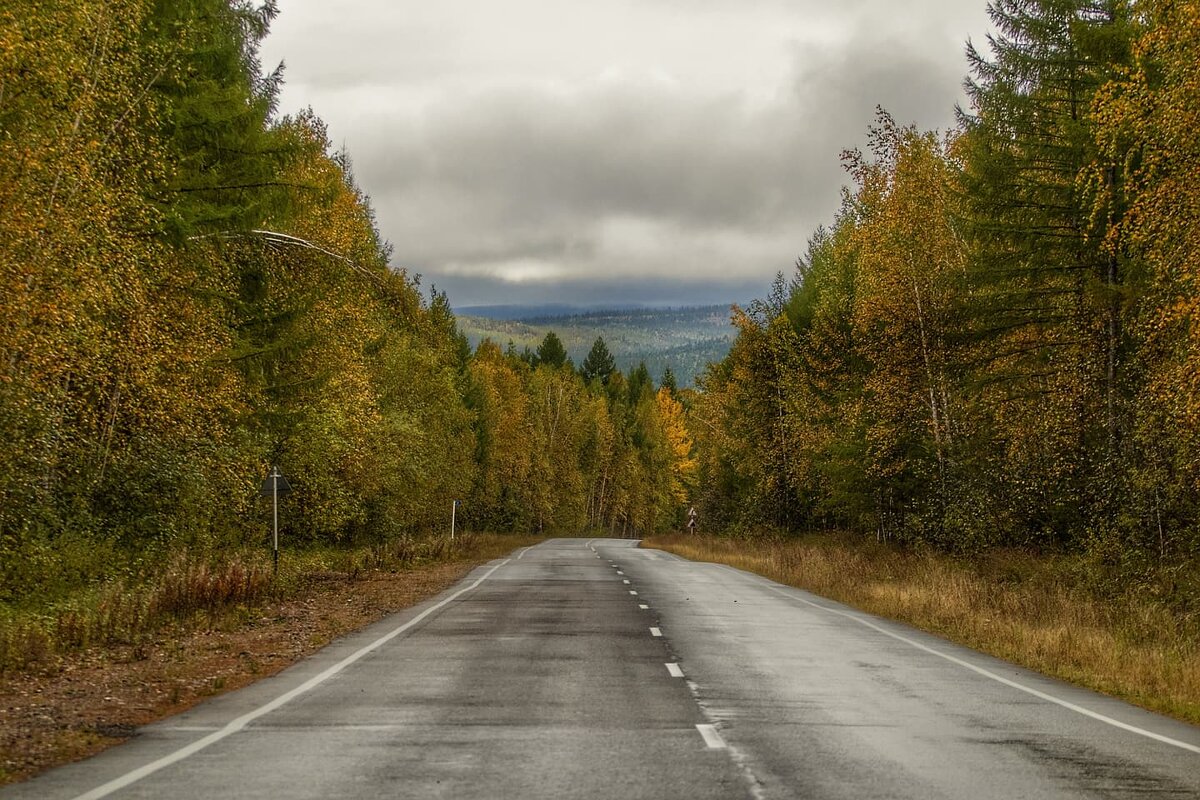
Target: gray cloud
{"x":634,"y":180}
{"x":650,"y":291}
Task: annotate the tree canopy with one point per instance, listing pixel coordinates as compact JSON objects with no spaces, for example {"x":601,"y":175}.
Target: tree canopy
{"x":599,"y":363}
{"x":550,"y":352}
{"x":993,"y":341}
{"x":193,"y":289}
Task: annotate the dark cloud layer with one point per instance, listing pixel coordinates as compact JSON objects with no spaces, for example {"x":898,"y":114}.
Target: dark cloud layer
{"x":633,"y":186}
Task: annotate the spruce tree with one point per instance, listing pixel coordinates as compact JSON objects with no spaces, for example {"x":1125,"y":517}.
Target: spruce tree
{"x":599,"y":363}
{"x":551,"y":352}
{"x":639,"y":383}
{"x":668,"y":381}
{"x":215,"y":116}
{"x":1045,"y":294}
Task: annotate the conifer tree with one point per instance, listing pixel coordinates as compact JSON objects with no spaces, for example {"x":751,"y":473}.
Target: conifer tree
{"x":668,"y":382}
{"x":598,"y":363}
{"x":1046,"y":296}
{"x":639,"y":383}
{"x":216,"y":105}
{"x":550,"y":352}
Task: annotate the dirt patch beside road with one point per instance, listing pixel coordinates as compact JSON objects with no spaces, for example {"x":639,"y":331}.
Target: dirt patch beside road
{"x":97,"y":698}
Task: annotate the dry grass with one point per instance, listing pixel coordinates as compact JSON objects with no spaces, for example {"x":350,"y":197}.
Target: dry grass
{"x":76,"y":700}
{"x":196,"y":591}
{"x":125,"y":611}
{"x":1010,"y":604}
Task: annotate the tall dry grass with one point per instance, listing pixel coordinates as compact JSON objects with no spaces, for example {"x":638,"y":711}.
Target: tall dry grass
{"x":1023,"y":608}
{"x":194,"y":589}
{"x":125,"y":611}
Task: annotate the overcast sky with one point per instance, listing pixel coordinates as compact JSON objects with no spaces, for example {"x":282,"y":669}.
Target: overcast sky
{"x":611,"y":151}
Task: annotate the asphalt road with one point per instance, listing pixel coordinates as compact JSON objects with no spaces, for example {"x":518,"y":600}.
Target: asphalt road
{"x":594,"y":669}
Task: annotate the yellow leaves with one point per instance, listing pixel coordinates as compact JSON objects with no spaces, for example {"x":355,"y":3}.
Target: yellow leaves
{"x":906,"y":257}
{"x":683,"y":464}
{"x":193,"y":364}
{"x":1152,"y":112}
{"x":503,"y":411}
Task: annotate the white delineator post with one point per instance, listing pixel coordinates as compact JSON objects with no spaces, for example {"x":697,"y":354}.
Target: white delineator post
{"x":453,"y":512}
{"x":272,"y":486}
{"x":275,"y":515}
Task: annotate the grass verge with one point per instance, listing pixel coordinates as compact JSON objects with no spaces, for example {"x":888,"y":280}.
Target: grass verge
{"x":101,"y":666}
{"x":195,"y":590}
{"x":1011,"y":604}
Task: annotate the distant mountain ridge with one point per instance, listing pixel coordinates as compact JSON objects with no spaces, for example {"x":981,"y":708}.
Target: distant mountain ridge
{"x":530,"y":311}
{"x":684,"y":339}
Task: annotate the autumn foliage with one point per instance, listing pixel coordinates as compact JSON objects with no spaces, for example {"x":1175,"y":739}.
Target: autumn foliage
{"x":193,"y":288}
{"x":994,"y":343}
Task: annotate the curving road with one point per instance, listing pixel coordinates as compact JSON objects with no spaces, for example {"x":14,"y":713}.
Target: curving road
{"x":595,"y":669}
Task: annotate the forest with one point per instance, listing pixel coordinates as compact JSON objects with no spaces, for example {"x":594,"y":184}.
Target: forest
{"x":990,"y":345}
{"x":994,"y":343}
{"x":193,"y":289}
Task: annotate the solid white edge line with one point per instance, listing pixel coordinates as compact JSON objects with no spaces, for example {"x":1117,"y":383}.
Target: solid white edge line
{"x":655,"y":632}
{"x":241,"y":722}
{"x":1116,"y":723}
{"x":524,"y":550}
{"x":675,"y":671}
{"x":711,"y":738}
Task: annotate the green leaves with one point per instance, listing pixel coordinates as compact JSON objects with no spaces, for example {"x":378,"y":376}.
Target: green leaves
{"x":191,"y":291}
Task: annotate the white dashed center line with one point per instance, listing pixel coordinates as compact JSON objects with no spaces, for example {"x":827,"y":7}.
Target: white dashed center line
{"x":643,"y":607}
{"x":655,"y":632}
{"x":711,"y":737}
{"x":633,"y":592}
{"x":675,"y":671}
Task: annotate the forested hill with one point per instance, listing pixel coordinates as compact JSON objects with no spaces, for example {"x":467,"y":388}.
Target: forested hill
{"x":685,"y":340}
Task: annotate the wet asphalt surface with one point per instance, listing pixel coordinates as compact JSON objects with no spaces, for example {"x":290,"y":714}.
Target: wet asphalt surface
{"x":591,"y":668}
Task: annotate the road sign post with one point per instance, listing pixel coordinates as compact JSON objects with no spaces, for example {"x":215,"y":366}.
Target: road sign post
{"x":275,"y":485}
